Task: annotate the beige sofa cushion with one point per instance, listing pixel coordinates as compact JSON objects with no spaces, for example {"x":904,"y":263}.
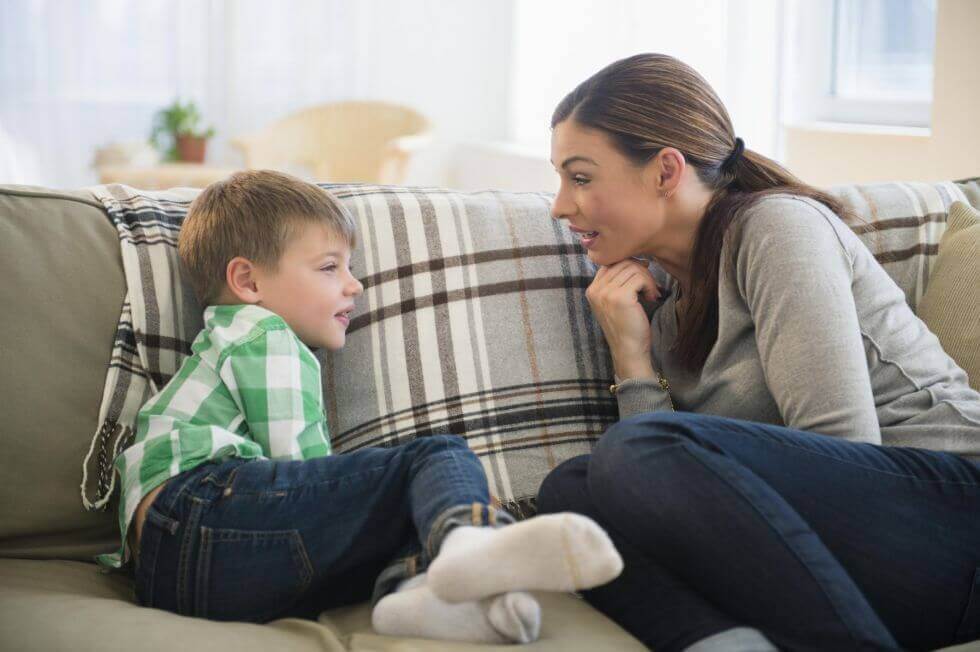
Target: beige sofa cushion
{"x":951,"y":304}
{"x":64,"y":605}
{"x":61,"y":295}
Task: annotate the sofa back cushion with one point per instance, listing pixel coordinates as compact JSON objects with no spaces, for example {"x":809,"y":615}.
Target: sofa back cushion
{"x":473,"y":321}
{"x":61,"y":294}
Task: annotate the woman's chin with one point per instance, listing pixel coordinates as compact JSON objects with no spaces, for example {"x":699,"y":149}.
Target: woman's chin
{"x":603,"y":259}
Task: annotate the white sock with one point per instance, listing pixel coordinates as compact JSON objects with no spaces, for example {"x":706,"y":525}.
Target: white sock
{"x":555,"y":552}
{"x":415,"y":611}
{"x":736,"y":639}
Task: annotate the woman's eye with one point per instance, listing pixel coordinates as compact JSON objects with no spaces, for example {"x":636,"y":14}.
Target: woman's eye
{"x":579,"y":181}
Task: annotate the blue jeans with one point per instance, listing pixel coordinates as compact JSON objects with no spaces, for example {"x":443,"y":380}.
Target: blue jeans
{"x":257,"y":540}
{"x":819,"y":543}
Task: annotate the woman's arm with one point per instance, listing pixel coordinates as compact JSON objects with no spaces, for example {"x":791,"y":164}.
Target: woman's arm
{"x":614,"y":296}
{"x":796,"y":276}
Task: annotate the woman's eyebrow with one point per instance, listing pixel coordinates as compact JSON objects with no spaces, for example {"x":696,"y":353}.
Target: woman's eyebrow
{"x":573,"y":159}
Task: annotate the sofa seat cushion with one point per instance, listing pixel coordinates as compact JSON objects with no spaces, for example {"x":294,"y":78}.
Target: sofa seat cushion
{"x":68,"y":605}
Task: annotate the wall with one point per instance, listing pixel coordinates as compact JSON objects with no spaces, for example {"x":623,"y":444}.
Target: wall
{"x":824,"y":154}
{"x":733,"y":44}
{"x":449,"y":60}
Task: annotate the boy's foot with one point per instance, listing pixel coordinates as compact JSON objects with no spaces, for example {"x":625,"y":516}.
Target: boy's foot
{"x":414,"y":610}
{"x":555,"y":552}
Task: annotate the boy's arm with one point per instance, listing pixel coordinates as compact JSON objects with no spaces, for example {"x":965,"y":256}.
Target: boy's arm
{"x":276,"y":381}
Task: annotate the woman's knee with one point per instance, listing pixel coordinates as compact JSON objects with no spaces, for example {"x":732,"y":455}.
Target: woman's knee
{"x":649,"y":431}
{"x":564,"y":489}
{"x":629,"y":447}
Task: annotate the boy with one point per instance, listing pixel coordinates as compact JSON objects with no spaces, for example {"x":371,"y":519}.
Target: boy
{"x":233,"y":507}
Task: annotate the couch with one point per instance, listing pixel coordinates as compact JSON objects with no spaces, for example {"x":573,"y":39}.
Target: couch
{"x":472,"y":258}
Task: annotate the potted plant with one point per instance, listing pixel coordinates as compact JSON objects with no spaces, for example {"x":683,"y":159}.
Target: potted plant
{"x":178,"y":134}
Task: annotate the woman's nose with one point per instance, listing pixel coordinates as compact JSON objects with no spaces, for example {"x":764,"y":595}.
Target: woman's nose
{"x":560,"y":207}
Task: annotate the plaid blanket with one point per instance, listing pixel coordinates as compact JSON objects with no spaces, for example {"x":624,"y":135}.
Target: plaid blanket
{"x":159,"y":320}
{"x":473,"y":322}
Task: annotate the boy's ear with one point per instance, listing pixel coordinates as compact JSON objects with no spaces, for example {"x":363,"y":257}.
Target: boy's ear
{"x":240,"y":279}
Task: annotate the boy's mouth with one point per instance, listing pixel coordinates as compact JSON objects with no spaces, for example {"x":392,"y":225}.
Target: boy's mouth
{"x":344,"y":316}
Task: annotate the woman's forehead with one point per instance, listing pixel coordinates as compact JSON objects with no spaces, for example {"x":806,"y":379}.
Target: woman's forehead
{"x":570,"y":140}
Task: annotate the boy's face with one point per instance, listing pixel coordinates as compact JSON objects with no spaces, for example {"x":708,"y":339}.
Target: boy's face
{"x":312,"y":288}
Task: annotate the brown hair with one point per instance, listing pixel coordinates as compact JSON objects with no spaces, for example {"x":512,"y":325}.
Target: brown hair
{"x":251,"y":214}
{"x":650,"y":101}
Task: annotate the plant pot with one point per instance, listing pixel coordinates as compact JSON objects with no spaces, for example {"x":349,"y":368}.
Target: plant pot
{"x":191,"y":148}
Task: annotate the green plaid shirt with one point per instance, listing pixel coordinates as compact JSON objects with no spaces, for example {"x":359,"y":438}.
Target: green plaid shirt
{"x":250,"y":389}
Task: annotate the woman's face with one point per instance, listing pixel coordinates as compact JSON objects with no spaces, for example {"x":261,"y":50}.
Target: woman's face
{"x":610,"y":203}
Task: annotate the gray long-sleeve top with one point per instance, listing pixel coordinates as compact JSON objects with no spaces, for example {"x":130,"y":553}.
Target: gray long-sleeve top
{"x":813,"y":334}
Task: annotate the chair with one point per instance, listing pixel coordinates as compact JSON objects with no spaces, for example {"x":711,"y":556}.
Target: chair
{"x":368,"y":142}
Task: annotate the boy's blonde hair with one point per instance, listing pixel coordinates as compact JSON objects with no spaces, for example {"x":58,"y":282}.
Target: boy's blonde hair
{"x":251,"y":214}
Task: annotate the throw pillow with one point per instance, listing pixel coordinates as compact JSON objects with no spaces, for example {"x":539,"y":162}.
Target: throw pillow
{"x":951,"y":305}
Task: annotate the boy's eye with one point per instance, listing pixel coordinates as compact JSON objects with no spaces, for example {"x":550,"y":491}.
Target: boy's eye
{"x":328,"y":268}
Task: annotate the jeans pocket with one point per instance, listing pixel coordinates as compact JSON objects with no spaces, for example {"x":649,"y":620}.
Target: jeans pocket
{"x":249,"y":575}
{"x":156,"y":528}
{"x":969,"y":628}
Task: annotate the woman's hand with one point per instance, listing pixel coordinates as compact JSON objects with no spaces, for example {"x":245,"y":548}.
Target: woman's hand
{"x":614,"y":295}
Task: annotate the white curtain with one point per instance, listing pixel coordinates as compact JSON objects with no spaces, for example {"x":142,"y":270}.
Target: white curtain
{"x":77,"y":75}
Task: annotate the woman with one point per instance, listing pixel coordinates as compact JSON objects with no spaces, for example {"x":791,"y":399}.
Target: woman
{"x":792,"y":464}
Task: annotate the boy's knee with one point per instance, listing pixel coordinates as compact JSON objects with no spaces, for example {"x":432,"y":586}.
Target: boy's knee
{"x":449,"y":441}
{"x":439,"y":443}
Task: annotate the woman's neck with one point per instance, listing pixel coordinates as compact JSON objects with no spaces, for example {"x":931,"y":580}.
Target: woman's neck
{"x":673,"y":246}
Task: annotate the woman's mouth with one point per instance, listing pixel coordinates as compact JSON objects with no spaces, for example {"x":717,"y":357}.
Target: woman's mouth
{"x":588,"y":238}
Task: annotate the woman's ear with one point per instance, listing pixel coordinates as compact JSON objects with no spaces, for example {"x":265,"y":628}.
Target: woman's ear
{"x":669,"y":170}
{"x":240,"y":279}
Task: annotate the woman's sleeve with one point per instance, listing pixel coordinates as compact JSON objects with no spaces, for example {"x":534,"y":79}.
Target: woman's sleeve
{"x":636,"y":396}
{"x":795,"y":274}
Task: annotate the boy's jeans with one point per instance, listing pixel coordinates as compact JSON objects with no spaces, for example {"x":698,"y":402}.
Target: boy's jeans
{"x":257,"y":540}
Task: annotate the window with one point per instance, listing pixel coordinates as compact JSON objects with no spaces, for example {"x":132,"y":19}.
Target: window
{"x":883,"y":49}
{"x":865,"y":61}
